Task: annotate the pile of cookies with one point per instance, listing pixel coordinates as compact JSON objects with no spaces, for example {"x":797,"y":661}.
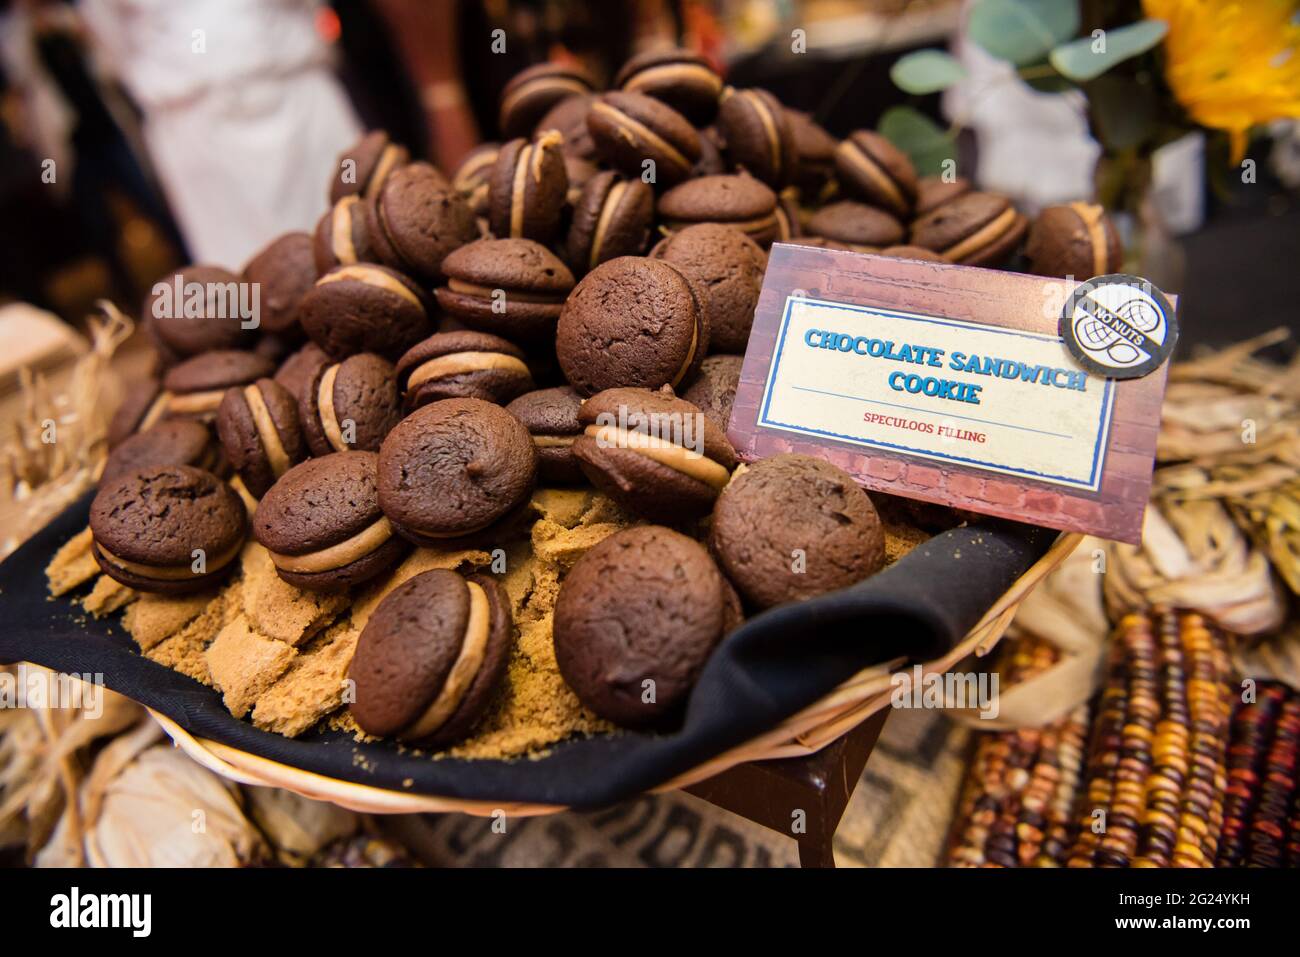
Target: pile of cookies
{"x":477,"y":432}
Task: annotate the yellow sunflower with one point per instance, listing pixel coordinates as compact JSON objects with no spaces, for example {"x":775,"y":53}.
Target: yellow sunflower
{"x":1234,"y":64}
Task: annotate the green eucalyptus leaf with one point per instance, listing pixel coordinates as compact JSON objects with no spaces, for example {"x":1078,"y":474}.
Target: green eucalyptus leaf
{"x":926,"y":71}
{"x":925,"y":142}
{"x":1088,"y":58}
{"x":1125,"y":113}
{"x":1022,"y":31}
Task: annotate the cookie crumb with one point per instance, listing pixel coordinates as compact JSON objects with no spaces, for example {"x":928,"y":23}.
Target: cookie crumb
{"x":244,"y":664}
{"x":108,"y":596}
{"x":312,"y":686}
{"x":72,"y":565}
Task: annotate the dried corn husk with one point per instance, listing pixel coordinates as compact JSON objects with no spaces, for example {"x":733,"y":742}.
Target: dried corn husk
{"x":298,"y":828}
{"x":1275,"y":659}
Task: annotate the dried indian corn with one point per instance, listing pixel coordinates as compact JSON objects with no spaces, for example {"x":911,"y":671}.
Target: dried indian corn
{"x":1156,"y":771}
{"x":1260,"y":810}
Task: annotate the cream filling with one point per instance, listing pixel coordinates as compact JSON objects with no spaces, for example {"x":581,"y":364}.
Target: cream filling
{"x":195,"y":403}
{"x":329,"y":419}
{"x":458,"y":363}
{"x":690,"y":353}
{"x":171,"y":572}
{"x":567,"y":83}
{"x":370,"y":276}
{"x":486,"y":292}
{"x":983,"y":236}
{"x":267,"y":433}
{"x":678,"y":458}
{"x":553,"y":441}
{"x":1093,"y":222}
{"x":344,"y":553}
{"x":769,"y":129}
{"x":155,"y":412}
{"x":250,"y":503}
{"x":466,"y":178}
{"x":868,"y":167}
{"x":517,"y":187}
{"x":655,"y":141}
{"x":673,"y":73}
{"x":614,"y":197}
{"x":388,"y":160}
{"x":341,"y":244}
{"x":473,"y":649}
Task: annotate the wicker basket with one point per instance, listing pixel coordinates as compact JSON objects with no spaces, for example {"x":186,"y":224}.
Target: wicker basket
{"x":801,"y":734}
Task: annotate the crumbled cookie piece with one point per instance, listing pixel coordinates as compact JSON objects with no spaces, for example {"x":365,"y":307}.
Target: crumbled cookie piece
{"x":419,"y":561}
{"x":108,"y":596}
{"x":185,"y":650}
{"x":72,"y":565}
{"x":243,"y":664}
{"x":604,"y":509}
{"x":563,"y":506}
{"x":278,"y":610}
{"x":313,"y":685}
{"x":155,"y":618}
{"x":564,"y":546}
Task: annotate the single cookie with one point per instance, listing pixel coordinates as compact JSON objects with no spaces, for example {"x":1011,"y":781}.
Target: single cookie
{"x":528,"y":188}
{"x":793,"y":526}
{"x":259,"y":430}
{"x":348,"y":233}
{"x":363,"y":168}
{"x":814,"y":151}
{"x":656,"y":455}
{"x":1076,"y":241}
{"x":198,"y":309}
{"x":913,"y":252}
{"x":453,"y":469}
{"x":977,"y":229}
{"x":365,"y":308}
{"x":551,"y":417}
{"x":680,"y":78}
{"x":144,"y":404}
{"x":171,"y":528}
{"x":611,"y":218}
{"x":859,"y":227}
{"x":631,"y":128}
{"x":197,"y":386}
{"x":933,"y":191}
{"x":423,"y":218}
{"x":350,"y":406}
{"x":459,"y":365}
{"x":512,"y":287}
{"x":322,"y":524}
{"x":172,"y":442}
{"x":430,"y":658}
{"x":636,"y":619}
{"x":282,"y":272}
{"x":759,"y":141}
{"x":876,"y":171}
{"x":472,"y":176}
{"x":300,"y":367}
{"x":531,"y":93}
{"x":732,"y":200}
{"x":632,"y":322}
{"x":730,"y":266}
{"x":714,"y":389}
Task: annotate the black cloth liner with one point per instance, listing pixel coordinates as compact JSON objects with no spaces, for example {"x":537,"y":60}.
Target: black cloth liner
{"x":775,"y":664}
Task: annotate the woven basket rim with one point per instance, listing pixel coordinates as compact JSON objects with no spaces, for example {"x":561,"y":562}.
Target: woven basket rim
{"x":801,"y":734}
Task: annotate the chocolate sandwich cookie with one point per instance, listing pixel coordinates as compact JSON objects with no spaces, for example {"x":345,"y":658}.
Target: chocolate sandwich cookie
{"x":551,"y":417}
{"x":611,"y":218}
{"x":913,"y":252}
{"x":515,"y":287}
{"x":711,"y":161}
{"x":144,"y":404}
{"x":875,"y":170}
{"x":933,"y":191}
{"x":423,"y":218}
{"x":322,"y":524}
{"x":569,"y":119}
{"x":170,"y":528}
{"x":197,"y":309}
{"x":454,"y":469}
{"x":795,"y":505}
{"x":814,"y":151}
{"x":641,"y":612}
{"x":259,"y":430}
{"x":531,"y":93}
{"x":859,"y":227}
{"x":730,"y":266}
{"x":528,"y":188}
{"x":713,"y":390}
{"x":630,"y":128}
{"x":455,"y":365}
{"x":732,"y":200}
{"x":632,"y":322}
{"x":656,"y":455}
{"x":300,"y":366}
{"x":196,"y":387}
{"x":680,"y":78}
{"x":977,"y":229}
{"x":171,"y":442}
{"x":362,"y":169}
{"x":364,"y":308}
{"x":1077,"y":240}
{"x":348,"y":233}
{"x":430,"y":658}
{"x":757,"y":133}
{"x":473,"y":175}
{"x":788,"y":219}
{"x":283,"y":272}
{"x":350,"y":406}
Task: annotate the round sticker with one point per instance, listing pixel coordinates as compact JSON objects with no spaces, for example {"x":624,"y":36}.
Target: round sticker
{"x":1118,"y":326}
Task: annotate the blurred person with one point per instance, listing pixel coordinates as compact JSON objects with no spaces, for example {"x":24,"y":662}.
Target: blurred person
{"x":243,"y":116}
